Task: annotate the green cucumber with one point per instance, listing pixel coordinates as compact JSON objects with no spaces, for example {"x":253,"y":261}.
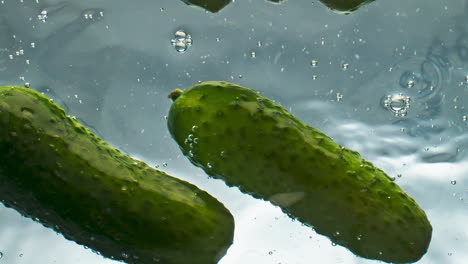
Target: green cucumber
{"x":345,"y":6}
{"x":56,"y":171}
{"x":209,"y":5}
{"x":237,"y":135}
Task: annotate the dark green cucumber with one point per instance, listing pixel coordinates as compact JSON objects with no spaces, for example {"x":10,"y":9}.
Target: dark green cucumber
{"x":210,"y":5}
{"x":345,"y":6}
{"x":237,"y":135}
{"x":56,"y":171}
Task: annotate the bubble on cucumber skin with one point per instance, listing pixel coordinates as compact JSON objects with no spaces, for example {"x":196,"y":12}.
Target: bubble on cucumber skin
{"x":398,"y":104}
{"x":181,"y":41}
{"x":1,"y":254}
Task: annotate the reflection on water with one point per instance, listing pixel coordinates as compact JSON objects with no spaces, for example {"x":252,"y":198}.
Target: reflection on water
{"x":389,"y":80}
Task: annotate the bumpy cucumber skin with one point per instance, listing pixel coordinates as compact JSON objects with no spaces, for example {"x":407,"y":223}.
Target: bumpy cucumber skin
{"x":211,"y":5}
{"x":55,"y":170}
{"x":247,"y":140}
{"x":345,"y":6}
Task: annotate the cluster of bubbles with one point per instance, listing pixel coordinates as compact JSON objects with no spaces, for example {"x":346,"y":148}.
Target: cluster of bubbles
{"x":398,"y":104}
{"x":181,"y":41}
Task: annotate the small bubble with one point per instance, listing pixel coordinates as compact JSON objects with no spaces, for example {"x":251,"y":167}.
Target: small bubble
{"x":314,"y":77}
{"x":222,"y":154}
{"x":270,"y":253}
{"x":334,"y":244}
{"x":313,"y":63}
{"x":164,"y":164}
{"x":465,"y":118}
{"x":253,"y":54}
{"x":209,"y":165}
{"x":33,"y":45}
{"x":345,"y":66}
{"x":359,"y":237}
{"x":190,"y":153}
{"x":27,"y":85}
{"x":408,"y":79}
{"x":124,"y":188}
{"x":125,"y":255}
{"x":194,"y":129}
{"x":21,"y":255}
{"x":1,"y":254}
{"x":399,"y":175}
{"x":453,"y":182}
{"x":466,"y":79}
{"x":449,"y":254}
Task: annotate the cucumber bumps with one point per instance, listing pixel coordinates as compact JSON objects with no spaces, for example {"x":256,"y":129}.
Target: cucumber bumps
{"x":55,"y":170}
{"x":247,"y":140}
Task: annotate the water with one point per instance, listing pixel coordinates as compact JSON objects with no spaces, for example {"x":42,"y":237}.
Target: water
{"x":118,"y":58}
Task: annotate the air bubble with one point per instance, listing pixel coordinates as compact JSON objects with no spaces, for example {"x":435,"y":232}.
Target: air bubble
{"x":313,"y":63}
{"x":209,"y":165}
{"x":397,"y":104}
{"x":408,"y":79}
{"x":270,"y":253}
{"x":453,"y":182}
{"x":27,"y":85}
{"x":181,"y":41}
{"x":345,"y":66}
{"x":43,"y":16}
{"x":164,"y":164}
{"x":194,"y":129}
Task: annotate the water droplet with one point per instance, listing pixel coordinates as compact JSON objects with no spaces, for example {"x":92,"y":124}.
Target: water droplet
{"x":397,"y":104}
{"x":345,"y":66}
{"x":209,"y":165}
{"x":164,"y":164}
{"x":27,"y":85}
{"x":453,"y":182}
{"x":313,"y":63}
{"x":181,"y":41}
{"x":43,"y":16}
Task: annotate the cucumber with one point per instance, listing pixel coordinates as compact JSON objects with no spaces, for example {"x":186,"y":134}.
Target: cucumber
{"x":210,"y":5}
{"x":235,"y":134}
{"x":56,"y":171}
{"x":345,"y":6}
